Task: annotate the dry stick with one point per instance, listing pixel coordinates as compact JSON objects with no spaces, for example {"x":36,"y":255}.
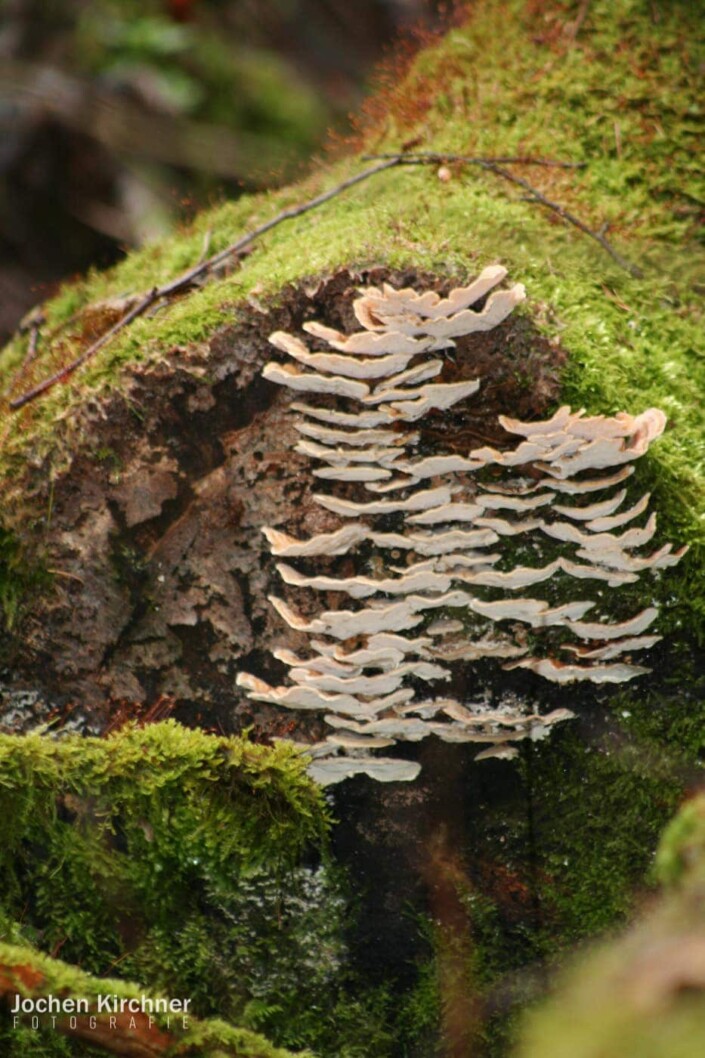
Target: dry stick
{"x":562,"y":212}
{"x":434,"y":158}
{"x":493,"y":166}
{"x":42,"y":387}
{"x":388,"y":162}
{"x":187,"y":278}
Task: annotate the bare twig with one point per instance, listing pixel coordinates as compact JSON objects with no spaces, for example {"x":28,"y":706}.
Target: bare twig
{"x":563,"y":213}
{"x":436,"y":158}
{"x":573,"y":28}
{"x":68,"y":576}
{"x":493,"y":166}
{"x":236,"y":249}
{"x":64,"y":373}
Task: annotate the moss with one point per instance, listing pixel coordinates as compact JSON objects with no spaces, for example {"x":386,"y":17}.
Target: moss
{"x":588,"y":873}
{"x":172,"y":857}
{"x":199,"y":74}
{"x":420,"y":1013}
{"x":90,"y":828}
{"x":644,"y":984}
{"x":681,"y":850}
{"x":30,"y":971}
{"x":629,"y":764}
{"x":21,"y":577}
{"x":562,"y":850}
{"x":621,"y":1029}
{"x":624,"y":98}
{"x":169,"y":792}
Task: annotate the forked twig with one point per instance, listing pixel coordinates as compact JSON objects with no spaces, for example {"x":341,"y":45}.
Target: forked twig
{"x":496,"y":166}
{"x":235,"y":249}
{"x":436,"y":158}
{"x":562,"y":212}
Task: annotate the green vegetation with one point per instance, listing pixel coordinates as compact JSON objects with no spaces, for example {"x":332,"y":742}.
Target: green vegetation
{"x":572,"y":859}
{"x":681,"y":852}
{"x":622,"y":97}
{"x":641,"y":995}
{"x":167,"y":790}
{"x":194,"y":70}
{"x":172,"y":857}
{"x":29,"y":973}
{"x":20,"y":577}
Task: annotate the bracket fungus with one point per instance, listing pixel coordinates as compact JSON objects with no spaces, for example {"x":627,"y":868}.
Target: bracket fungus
{"x":367,"y":662}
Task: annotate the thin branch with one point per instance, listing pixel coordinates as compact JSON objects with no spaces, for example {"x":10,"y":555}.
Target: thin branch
{"x":286,"y":214}
{"x":493,"y":166}
{"x":573,"y":28}
{"x":64,"y":373}
{"x":435,"y":158}
{"x":186,"y":279}
{"x":562,"y":212}
{"x":235,"y":249}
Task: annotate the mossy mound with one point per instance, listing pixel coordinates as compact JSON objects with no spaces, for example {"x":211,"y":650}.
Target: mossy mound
{"x":619,"y":92}
{"x":191,"y":863}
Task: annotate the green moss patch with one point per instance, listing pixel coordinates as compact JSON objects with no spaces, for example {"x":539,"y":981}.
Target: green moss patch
{"x":640,"y":995}
{"x":175,"y":858}
{"x":29,"y":973}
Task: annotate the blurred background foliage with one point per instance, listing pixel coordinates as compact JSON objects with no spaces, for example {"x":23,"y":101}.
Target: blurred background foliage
{"x":119,"y":118}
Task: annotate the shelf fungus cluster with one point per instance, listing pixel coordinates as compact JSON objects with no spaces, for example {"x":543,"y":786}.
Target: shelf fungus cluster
{"x":427,"y":542}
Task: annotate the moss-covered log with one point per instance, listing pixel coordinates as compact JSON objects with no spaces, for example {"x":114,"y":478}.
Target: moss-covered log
{"x":170,"y":426}
{"x":135,"y":492}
